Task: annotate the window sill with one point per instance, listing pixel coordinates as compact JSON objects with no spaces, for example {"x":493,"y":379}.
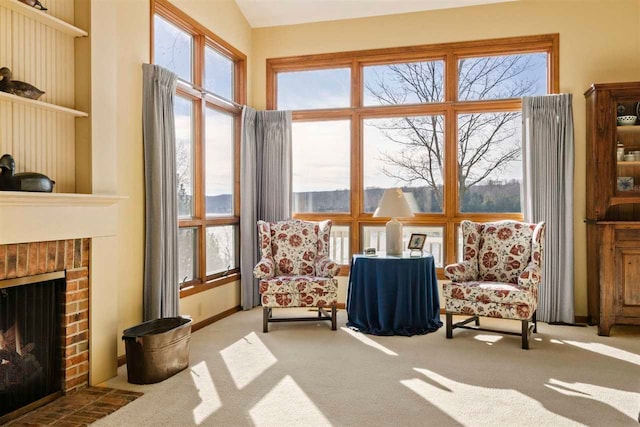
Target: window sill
{"x":202,"y":287}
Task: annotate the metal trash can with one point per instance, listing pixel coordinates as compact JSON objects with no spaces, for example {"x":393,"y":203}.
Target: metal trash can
{"x":157,"y":349}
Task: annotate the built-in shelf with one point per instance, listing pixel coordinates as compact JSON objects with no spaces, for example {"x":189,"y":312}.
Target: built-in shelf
{"x":634,"y":163}
{"x":625,"y":198}
{"x":24,"y":198}
{"x":39,"y":104}
{"x":629,"y":129}
{"x":43,"y":17}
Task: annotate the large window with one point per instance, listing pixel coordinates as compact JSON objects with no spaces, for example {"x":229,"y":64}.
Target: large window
{"x":441,"y":122}
{"x":210,"y":90}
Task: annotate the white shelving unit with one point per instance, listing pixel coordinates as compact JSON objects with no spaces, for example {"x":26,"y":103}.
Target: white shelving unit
{"x":39,"y":104}
{"x":41,"y":137}
{"x":43,"y":17}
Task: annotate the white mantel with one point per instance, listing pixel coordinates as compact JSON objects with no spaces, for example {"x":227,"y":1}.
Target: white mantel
{"x":36,"y":217}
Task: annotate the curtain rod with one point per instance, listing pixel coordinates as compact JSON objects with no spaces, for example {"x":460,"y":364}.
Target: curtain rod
{"x":204,"y":92}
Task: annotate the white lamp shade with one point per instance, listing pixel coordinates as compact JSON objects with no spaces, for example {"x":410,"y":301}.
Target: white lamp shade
{"x":393,"y":205}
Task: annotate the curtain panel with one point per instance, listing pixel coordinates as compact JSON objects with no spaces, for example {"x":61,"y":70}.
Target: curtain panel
{"x":265,"y":186}
{"x":548,"y":162}
{"x":161,"y":294}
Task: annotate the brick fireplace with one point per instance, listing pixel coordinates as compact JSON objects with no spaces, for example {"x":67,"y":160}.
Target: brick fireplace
{"x":72,"y":257}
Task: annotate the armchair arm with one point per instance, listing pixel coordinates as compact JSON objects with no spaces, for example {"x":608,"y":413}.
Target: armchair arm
{"x":464,"y":271}
{"x":530,"y":278}
{"x":264,"y":269}
{"x":326,"y":267}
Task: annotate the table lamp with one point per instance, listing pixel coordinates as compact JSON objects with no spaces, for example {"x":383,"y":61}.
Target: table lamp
{"x":393,"y":204}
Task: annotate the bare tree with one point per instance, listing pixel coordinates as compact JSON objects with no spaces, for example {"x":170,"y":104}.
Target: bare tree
{"x":482,"y":152}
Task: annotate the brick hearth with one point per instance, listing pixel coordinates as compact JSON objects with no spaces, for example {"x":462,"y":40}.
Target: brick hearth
{"x":71,"y":256}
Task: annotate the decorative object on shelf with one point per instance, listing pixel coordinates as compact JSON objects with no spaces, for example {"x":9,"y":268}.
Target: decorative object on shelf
{"x":636,"y":156}
{"x":16,"y":87}
{"x":370,"y":251}
{"x":625,"y":183}
{"x":393,"y":205}
{"x":627,"y":120}
{"x":28,"y":181}
{"x":620,"y":151}
{"x":621,"y":110}
{"x":35,"y":4}
{"x":629,"y":157}
{"x":416,"y":243}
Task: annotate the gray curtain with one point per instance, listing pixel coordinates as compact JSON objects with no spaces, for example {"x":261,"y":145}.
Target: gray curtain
{"x":547,"y":151}
{"x":265,"y":186}
{"x":161,"y":229}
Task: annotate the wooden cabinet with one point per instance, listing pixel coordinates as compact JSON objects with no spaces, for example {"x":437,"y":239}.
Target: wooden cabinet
{"x":613,"y":205}
{"x":619,"y":274}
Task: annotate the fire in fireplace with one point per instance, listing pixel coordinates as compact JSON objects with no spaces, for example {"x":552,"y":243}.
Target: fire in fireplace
{"x":30,"y":343}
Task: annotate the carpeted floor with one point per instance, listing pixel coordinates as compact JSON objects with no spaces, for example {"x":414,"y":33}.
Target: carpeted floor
{"x":306,"y":375}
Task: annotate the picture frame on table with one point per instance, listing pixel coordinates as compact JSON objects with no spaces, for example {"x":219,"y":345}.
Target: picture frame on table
{"x":416,"y":243}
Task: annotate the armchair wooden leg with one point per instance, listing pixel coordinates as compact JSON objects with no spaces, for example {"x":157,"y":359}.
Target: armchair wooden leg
{"x":525,"y":334}
{"x":535,"y":322}
{"x":334,"y":317}
{"x":449,"y":325}
{"x":265,"y":319}
{"x":477,"y":320}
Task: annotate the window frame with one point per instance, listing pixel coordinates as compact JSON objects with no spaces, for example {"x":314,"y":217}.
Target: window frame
{"x":202,"y":99}
{"x":450,"y":53}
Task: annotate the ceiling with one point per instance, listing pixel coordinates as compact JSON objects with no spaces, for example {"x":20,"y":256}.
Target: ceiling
{"x":268,"y":13}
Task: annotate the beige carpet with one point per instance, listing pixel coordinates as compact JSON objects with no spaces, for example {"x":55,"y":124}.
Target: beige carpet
{"x":304,"y":374}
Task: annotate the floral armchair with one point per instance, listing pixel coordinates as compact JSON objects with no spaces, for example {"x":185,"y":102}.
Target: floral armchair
{"x":499,"y":276}
{"x":295,"y":269}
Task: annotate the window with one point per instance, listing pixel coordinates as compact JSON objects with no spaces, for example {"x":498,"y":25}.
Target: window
{"x":207,"y":114}
{"x":183,"y":110}
{"x":328,"y":191}
{"x":443,"y":123}
{"x":405,"y":152}
{"x":173,"y":48}
{"x":315,"y":89}
{"x":395,"y":84}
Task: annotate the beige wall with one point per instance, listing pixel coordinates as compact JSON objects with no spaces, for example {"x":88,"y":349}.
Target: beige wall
{"x":132,"y":46}
{"x":599,"y":42}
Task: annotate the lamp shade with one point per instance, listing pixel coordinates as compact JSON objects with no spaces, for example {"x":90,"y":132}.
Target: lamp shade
{"x":393,"y":205}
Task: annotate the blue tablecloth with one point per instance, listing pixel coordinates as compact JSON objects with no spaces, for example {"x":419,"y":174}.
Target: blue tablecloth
{"x":393,"y":295}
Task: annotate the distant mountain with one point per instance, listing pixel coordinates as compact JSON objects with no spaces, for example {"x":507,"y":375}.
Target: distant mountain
{"x":490,"y":197}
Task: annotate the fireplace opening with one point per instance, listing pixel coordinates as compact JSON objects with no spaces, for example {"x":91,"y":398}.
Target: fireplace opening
{"x":30,"y":340}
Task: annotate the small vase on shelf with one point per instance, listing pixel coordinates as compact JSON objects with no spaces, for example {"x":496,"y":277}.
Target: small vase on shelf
{"x":620,"y":151}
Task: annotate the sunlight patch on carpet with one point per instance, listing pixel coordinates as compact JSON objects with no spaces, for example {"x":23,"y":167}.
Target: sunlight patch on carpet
{"x":624,"y":401}
{"x":210,"y":400}
{"x":368,"y":341}
{"x":247,"y":359}
{"x":489,"y":339}
{"x":607,"y":350}
{"x":287,"y":404}
{"x":463,"y":402}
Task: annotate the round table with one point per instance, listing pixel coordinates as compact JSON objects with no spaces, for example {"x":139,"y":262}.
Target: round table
{"x":393,"y":295}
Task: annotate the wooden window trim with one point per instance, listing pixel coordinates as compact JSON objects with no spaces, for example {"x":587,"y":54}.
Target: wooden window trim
{"x":449,"y":108}
{"x":202,"y":100}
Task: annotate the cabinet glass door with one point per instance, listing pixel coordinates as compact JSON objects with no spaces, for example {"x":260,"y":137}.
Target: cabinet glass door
{"x":628,"y":148}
